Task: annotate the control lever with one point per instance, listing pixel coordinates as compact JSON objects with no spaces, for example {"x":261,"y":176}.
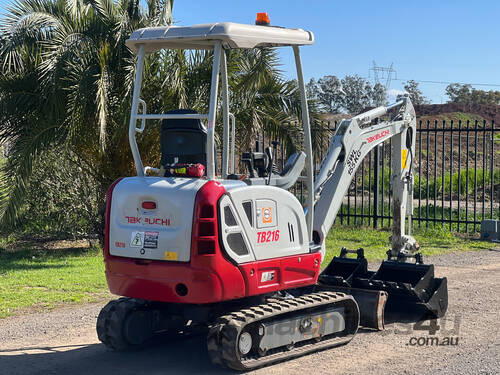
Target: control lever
{"x":246,"y":158}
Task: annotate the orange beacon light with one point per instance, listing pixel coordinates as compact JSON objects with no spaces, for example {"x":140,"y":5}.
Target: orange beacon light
{"x":263,"y":19}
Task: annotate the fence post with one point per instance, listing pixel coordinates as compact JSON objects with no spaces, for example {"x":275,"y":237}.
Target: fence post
{"x":376,"y":169}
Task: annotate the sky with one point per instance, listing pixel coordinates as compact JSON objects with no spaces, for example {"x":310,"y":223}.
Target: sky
{"x":440,"y":40}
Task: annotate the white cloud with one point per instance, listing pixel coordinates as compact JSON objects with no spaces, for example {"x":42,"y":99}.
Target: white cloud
{"x":393,"y":93}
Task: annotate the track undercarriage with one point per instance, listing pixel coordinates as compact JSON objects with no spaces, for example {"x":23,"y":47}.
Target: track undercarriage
{"x":258,"y":334}
{"x":257,"y":331}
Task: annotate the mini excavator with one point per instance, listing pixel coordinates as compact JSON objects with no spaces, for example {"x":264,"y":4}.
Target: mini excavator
{"x":237,"y":254}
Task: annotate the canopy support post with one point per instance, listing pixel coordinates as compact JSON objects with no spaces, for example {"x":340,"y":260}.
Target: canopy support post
{"x":308,"y":143}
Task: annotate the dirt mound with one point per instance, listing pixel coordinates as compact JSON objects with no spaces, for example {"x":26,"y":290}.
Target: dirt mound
{"x":487,"y":112}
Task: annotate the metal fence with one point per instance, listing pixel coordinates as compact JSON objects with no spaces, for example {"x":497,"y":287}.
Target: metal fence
{"x":457,"y":176}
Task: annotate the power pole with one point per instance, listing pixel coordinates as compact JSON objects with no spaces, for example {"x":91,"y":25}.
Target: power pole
{"x":381,"y":73}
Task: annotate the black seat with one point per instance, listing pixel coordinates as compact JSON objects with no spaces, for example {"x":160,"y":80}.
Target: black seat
{"x":183,"y":140}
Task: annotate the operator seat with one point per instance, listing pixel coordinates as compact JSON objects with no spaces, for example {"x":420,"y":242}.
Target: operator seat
{"x":183,"y":140}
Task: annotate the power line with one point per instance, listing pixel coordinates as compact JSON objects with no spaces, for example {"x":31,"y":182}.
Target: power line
{"x":448,"y":83}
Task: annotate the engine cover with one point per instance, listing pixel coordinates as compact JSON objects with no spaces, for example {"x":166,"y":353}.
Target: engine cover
{"x":151,"y":218}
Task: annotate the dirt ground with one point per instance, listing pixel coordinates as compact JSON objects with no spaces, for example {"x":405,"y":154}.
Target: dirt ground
{"x":64,"y":341}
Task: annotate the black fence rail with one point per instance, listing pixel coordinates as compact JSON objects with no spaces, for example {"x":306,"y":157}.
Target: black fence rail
{"x":456,"y":170}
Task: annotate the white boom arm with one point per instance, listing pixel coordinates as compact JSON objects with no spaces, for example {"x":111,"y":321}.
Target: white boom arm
{"x":351,"y":142}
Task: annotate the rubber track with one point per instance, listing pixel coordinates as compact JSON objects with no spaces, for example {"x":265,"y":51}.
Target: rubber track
{"x":110,"y":322}
{"x":222,"y":337}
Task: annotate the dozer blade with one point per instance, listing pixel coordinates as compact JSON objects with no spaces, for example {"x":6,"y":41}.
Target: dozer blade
{"x":412,"y":288}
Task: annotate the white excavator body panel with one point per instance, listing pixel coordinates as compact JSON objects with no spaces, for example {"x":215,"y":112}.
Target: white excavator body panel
{"x":136,"y":230}
{"x":271,"y":221}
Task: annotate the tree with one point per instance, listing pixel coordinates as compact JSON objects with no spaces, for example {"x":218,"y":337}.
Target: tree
{"x":65,"y":83}
{"x":330,"y":93}
{"x":352,"y":93}
{"x":327,"y":91}
{"x":357,"y":94}
{"x":411,"y":87}
{"x":458,"y":93}
{"x":312,"y":89}
{"x":464,"y":93}
{"x":379,"y":95}
{"x":66,"y":86}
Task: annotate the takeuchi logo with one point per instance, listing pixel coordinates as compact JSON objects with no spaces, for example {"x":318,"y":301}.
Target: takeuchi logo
{"x":378,"y":136}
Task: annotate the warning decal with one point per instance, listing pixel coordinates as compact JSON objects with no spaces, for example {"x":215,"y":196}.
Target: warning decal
{"x":267,"y":213}
{"x":137,"y":239}
{"x":170,"y":255}
{"x":151,"y":240}
{"x":267,"y":216}
{"x":404,"y":158}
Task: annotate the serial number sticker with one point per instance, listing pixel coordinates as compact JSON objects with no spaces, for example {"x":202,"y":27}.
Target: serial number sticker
{"x":137,"y":239}
{"x":151,"y":240}
{"x":267,"y":276}
{"x":170,"y":255}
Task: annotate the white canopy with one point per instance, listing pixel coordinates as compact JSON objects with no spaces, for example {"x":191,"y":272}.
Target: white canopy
{"x":232,"y":35}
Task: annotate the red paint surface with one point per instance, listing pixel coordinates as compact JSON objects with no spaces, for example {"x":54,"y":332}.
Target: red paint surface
{"x":290,"y":272}
{"x":208,"y":277}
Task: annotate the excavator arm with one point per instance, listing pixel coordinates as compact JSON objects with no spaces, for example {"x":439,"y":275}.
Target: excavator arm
{"x":352,"y":141}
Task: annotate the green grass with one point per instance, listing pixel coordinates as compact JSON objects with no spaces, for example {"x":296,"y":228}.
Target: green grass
{"x":43,"y":279}
{"x":376,"y":242}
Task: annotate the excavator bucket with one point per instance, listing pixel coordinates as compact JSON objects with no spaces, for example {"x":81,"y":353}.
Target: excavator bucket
{"x":412,"y":289}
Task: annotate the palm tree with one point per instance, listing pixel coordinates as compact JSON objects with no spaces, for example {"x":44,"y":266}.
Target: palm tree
{"x":66,"y":86}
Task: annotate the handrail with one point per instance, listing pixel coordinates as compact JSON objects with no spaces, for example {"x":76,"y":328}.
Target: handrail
{"x":133,"y":112}
{"x":233,"y":142}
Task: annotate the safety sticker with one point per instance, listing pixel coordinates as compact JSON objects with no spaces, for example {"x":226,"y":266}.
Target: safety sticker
{"x":170,"y":255}
{"x":404,"y":158}
{"x":151,"y":240}
{"x":267,"y":276}
{"x":267,"y":215}
{"x":137,"y":239}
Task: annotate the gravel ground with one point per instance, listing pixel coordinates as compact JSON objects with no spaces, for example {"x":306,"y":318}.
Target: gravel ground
{"x":64,"y":341}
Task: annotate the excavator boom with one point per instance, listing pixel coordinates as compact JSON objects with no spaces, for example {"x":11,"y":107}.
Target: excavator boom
{"x":352,"y":141}
{"x":405,"y":283}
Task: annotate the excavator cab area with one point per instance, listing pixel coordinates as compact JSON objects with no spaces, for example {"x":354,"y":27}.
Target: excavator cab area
{"x":189,"y":137}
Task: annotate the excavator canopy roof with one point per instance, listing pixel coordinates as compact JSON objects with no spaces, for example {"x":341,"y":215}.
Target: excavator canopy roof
{"x":204,"y":36}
